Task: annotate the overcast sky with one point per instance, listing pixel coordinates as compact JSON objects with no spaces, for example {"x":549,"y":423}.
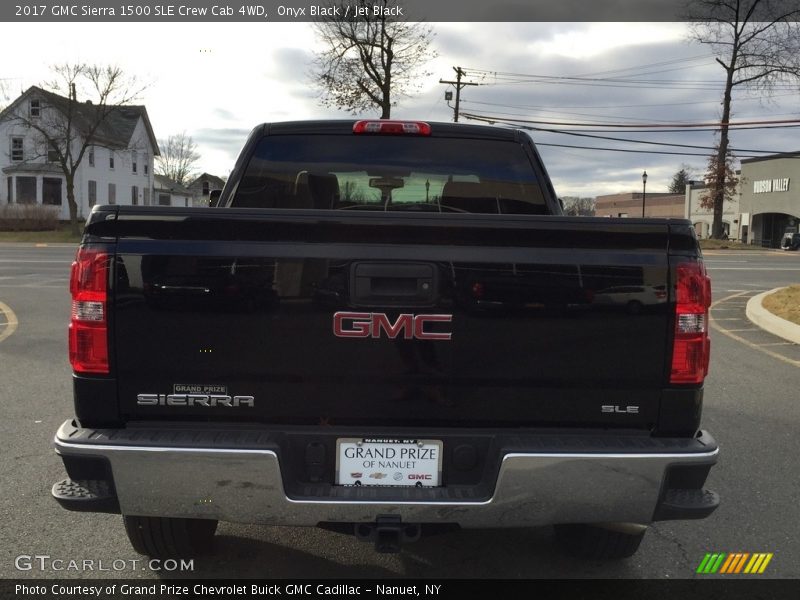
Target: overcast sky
{"x":217,"y":81}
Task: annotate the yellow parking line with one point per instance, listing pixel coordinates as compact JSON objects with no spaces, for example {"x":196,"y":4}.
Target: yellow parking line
{"x":733,"y":336}
{"x":11,"y":321}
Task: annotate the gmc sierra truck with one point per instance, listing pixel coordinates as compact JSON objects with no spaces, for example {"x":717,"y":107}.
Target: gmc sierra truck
{"x":386,"y":328}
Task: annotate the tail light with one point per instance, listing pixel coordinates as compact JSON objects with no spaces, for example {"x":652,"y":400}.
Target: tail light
{"x":88,"y":327}
{"x":691,"y":348}
{"x":392,"y":127}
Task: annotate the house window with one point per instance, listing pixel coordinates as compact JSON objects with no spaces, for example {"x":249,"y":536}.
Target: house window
{"x":91,"y":156}
{"x":51,"y":191}
{"x":92,"y":193}
{"x":205,"y":188}
{"x":10,"y":181}
{"x":52,"y":155}
{"x":112,"y":193}
{"x":133,"y":159}
{"x":134,"y":195}
{"x":146,"y":193}
{"x":146,"y":169}
{"x":163,"y":199}
{"x":17,"y":150}
{"x":26,"y":190}
{"x":146,"y":163}
{"x":110,"y":159}
{"x":35,"y":108}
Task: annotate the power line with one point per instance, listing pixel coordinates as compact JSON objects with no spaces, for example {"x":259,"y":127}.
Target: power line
{"x":710,"y":129}
{"x":624,"y":150}
{"x":787,"y":154}
{"x":616,"y":139}
{"x":503,"y":78}
{"x":579,"y":114}
{"x":627,"y":150}
{"x":672,"y":61}
{"x":556,"y":113}
{"x":649,"y":85}
{"x":716,"y":101}
{"x":531,"y":107}
{"x":730,"y":124}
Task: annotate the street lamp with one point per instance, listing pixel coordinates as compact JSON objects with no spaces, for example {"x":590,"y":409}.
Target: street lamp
{"x":644,"y":190}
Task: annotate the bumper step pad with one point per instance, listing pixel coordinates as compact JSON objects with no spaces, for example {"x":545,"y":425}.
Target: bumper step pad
{"x":86,"y":495}
{"x":686,"y":504}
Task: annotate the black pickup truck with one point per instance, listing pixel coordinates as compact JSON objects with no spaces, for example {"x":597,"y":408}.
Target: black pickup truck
{"x":386,"y":328}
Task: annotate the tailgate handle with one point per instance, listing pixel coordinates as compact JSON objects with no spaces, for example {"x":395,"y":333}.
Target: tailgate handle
{"x":393,"y":284}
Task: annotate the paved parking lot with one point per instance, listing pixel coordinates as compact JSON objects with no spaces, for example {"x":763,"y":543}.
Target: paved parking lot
{"x":729,"y":318}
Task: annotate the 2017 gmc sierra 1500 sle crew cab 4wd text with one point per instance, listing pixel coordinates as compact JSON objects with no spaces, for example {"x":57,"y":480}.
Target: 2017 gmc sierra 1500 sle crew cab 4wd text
{"x":386,"y":326}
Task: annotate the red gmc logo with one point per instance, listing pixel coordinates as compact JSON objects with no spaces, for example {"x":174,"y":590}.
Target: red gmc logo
{"x":375,"y":325}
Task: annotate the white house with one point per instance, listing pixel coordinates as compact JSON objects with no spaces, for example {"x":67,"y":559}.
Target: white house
{"x":167,"y":192}
{"x":116,"y":169}
{"x":203,"y":185}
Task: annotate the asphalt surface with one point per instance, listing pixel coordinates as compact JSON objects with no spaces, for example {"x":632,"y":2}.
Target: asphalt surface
{"x":752,"y":406}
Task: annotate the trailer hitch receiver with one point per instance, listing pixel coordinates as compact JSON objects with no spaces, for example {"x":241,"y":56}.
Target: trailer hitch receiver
{"x":388,"y":533}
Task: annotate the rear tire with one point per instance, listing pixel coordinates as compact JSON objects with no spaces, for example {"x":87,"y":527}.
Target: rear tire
{"x":598,"y":541}
{"x":162,"y":537}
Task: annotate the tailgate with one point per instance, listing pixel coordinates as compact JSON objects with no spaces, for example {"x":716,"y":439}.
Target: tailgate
{"x":309,"y":317}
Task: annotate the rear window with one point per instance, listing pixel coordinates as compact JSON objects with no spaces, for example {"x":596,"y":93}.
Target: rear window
{"x":390,"y":173}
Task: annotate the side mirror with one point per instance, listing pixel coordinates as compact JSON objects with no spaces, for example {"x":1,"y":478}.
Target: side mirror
{"x":213,"y":197}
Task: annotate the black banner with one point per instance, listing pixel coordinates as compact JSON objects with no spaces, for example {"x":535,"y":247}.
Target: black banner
{"x":85,"y":589}
{"x":229,"y":11}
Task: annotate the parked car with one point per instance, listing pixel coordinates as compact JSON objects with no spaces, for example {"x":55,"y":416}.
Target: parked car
{"x":633,"y":298}
{"x":791,"y":242}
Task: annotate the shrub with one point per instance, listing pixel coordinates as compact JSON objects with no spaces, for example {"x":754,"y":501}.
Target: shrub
{"x":28,"y":217}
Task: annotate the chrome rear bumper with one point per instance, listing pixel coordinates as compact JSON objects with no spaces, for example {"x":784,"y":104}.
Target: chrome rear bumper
{"x":171,"y":479}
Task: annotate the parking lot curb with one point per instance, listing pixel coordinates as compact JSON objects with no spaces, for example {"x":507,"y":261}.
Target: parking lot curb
{"x":769,"y":322}
{"x":8,"y":327}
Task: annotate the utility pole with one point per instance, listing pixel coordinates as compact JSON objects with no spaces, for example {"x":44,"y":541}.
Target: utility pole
{"x":459,"y":74}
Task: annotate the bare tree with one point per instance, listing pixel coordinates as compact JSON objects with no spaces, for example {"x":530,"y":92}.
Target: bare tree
{"x":178,"y":157}
{"x":757,"y":43}
{"x":3,"y":94}
{"x":371,"y":59}
{"x":64,"y":128}
{"x":578,"y":207}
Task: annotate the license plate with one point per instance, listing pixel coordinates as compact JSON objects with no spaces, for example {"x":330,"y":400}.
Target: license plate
{"x":388,"y":462}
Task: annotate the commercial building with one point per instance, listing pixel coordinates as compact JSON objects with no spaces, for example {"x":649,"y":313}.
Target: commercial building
{"x":703,"y":218}
{"x":630,"y":204}
{"x":765,"y":207}
{"x":770,"y":197}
